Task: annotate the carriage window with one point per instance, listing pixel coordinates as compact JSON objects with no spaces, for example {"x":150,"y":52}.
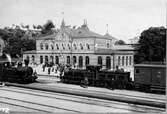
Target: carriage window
{"x":137,"y":70}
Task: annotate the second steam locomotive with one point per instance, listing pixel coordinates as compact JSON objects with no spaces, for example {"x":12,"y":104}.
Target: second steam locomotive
{"x":99,"y":78}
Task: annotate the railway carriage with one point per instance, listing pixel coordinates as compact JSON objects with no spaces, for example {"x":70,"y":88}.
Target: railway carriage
{"x":150,"y":77}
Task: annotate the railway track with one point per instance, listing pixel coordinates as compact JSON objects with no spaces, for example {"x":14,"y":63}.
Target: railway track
{"x":73,"y":99}
{"x":114,"y":94}
{"x":117,"y":94}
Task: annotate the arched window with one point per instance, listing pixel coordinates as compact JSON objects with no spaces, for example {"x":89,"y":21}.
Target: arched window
{"x":52,"y":47}
{"x":46,"y":46}
{"x":68,"y":59}
{"x":108,"y":45}
{"x":41,"y":59}
{"x":130,"y":60}
{"x":87,"y":60}
{"x":63,"y":47}
{"x":33,"y":58}
{"x":51,"y":57}
{"x":108,"y":62}
{"x":119,"y":60}
{"x":75,"y":47}
{"x":126,"y":60}
{"x":123,"y":61}
{"x":46,"y":59}
{"x":41,"y":46}
{"x":88,"y":47}
{"x":100,"y":61}
{"x":57,"y":46}
{"x":74,"y":60}
{"x":80,"y":61}
{"x":56,"y":59}
{"x":81,"y":46}
{"x":69,"y":46}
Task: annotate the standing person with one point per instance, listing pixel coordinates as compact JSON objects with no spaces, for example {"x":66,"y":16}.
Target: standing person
{"x":84,"y":82}
{"x":61,"y":70}
{"x":112,"y":83}
{"x":52,"y":68}
{"x":49,"y":70}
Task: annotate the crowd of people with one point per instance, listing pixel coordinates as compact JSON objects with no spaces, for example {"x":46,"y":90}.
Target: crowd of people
{"x":50,"y":68}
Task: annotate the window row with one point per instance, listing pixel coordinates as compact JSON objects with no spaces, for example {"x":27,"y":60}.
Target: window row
{"x":74,"y":60}
{"x":108,"y":61}
{"x":124,"y":60}
{"x":64,"y":46}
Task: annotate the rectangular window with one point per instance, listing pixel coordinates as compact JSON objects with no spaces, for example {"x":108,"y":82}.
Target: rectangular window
{"x":130,"y":60}
{"x":126,"y":60}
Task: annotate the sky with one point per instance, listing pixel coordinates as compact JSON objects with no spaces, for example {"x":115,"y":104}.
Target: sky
{"x":126,"y":19}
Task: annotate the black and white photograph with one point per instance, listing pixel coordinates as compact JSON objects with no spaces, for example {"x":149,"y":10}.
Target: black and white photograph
{"x":83,"y":56}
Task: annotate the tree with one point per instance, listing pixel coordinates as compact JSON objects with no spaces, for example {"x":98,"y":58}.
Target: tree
{"x":152,"y":45}
{"x":47,"y":28}
{"x":120,"y":42}
{"x":16,"y":41}
{"x":4,"y":34}
{"x":39,"y":27}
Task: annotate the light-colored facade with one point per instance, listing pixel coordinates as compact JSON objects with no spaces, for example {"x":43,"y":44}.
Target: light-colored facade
{"x":80,"y":47}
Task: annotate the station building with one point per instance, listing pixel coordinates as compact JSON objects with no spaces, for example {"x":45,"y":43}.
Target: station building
{"x":80,"y":47}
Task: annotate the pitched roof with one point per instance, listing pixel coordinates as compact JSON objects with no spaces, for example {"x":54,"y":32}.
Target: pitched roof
{"x":84,"y":32}
{"x":80,"y":32}
{"x":107,"y":35}
{"x":46,"y":37}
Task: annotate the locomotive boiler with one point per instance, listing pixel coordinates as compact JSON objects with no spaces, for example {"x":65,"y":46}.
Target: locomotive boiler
{"x":17,"y":74}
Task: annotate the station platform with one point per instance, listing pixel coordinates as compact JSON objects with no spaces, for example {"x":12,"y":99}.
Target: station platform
{"x":131,"y":97}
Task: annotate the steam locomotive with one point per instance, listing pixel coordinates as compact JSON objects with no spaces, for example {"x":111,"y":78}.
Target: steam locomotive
{"x":99,"y":78}
{"x":17,"y":74}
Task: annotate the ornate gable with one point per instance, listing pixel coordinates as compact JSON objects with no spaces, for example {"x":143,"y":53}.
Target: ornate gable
{"x":61,"y":35}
